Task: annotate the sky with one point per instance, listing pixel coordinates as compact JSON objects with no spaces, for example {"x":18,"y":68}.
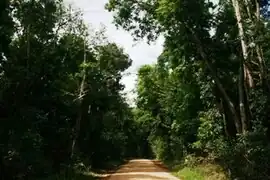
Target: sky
{"x":140,"y":52}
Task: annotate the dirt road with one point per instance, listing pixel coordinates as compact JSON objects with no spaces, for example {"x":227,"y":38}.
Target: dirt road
{"x":142,"y":169}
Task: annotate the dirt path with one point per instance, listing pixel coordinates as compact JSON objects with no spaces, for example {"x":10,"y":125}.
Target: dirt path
{"x":142,"y":169}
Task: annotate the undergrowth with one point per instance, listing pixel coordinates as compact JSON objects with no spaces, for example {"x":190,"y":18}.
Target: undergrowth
{"x":197,"y":170}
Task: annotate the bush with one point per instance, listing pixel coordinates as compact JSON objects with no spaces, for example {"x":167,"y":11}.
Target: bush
{"x":248,"y":157}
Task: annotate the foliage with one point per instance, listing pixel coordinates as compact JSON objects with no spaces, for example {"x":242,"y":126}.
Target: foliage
{"x":206,"y":172}
{"x":189,"y":174}
{"x":197,"y":168}
{"x":208,"y":93}
{"x":61,"y":99}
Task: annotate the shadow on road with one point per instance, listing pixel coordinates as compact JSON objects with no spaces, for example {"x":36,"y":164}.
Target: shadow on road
{"x":141,"y":169}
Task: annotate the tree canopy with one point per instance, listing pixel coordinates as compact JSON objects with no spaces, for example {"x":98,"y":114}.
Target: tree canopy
{"x":206,"y":97}
{"x":61,"y":97}
{"x":208,"y":93}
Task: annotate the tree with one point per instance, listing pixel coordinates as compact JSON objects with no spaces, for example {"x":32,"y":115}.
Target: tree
{"x":220,"y":49}
{"x":61,"y":95}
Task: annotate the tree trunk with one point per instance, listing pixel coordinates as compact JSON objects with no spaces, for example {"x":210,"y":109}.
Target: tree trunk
{"x":242,"y":104}
{"x":77,"y":130}
{"x":80,"y":100}
{"x":228,"y":124}
{"x":255,"y":18}
{"x":257,"y":13}
{"x":221,"y":88}
{"x":259,"y":51}
{"x":226,"y":97}
{"x":243,"y":69}
{"x":247,"y":74}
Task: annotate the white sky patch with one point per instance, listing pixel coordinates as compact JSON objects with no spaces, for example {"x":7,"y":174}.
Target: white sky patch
{"x":141,"y":53}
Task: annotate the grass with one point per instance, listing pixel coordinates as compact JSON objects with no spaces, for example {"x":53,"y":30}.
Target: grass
{"x":205,"y":171}
{"x":189,"y":174}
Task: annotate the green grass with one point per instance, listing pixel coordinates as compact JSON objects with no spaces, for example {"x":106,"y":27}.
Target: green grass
{"x":189,"y":174}
{"x":199,"y":172}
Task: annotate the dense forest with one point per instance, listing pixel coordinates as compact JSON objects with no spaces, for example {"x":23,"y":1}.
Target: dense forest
{"x":206,"y":99}
{"x":208,"y":95}
{"x":61,"y":100}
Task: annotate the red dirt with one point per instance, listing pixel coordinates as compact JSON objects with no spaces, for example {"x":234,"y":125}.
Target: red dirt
{"x":141,"y":169}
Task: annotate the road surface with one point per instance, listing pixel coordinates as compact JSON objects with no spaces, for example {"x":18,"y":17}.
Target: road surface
{"x":142,"y":169}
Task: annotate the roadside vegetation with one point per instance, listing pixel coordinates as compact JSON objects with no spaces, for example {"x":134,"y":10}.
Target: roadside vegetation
{"x":203,"y":106}
{"x":197,"y":169}
{"x":208,"y":95}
